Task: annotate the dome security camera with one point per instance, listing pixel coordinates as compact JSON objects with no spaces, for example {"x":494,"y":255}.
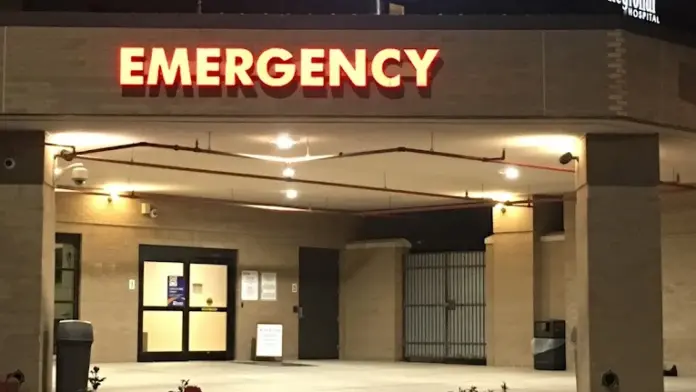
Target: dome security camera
{"x":9,"y":163}
{"x":80,"y":175}
{"x":567,"y":158}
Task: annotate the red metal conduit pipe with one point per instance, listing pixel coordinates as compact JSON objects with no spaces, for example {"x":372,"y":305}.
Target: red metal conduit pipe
{"x":175,"y":147}
{"x":279,"y":179}
{"x":196,"y":149}
{"x":240,"y":203}
{"x":525,"y":203}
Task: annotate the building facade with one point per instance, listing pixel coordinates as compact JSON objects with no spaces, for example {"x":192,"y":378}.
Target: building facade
{"x":624,"y":90}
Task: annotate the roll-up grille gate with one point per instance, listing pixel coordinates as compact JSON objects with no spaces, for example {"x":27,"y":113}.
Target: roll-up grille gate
{"x":444,"y":307}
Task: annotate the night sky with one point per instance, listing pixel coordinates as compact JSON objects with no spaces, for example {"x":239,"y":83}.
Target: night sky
{"x":680,"y":14}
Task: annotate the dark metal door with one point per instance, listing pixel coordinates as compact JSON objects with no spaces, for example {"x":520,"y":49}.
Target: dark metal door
{"x":318,"y":303}
{"x":444,"y":307}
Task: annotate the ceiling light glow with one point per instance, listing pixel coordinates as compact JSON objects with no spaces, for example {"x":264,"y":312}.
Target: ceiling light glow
{"x":497,"y":196}
{"x":291,"y":194}
{"x":288,"y":172}
{"x":288,"y":161}
{"x":113,"y":196}
{"x":273,"y":208}
{"x":284,"y":142}
{"x":551,"y":144}
{"x":511,"y":173}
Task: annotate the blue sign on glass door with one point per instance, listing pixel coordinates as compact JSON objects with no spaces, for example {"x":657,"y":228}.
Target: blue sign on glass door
{"x":175,"y":291}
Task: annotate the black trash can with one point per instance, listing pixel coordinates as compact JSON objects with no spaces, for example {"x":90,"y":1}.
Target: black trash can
{"x":73,"y":351}
{"x":549,"y":345}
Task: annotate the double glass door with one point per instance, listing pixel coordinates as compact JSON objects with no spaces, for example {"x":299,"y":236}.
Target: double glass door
{"x":184,"y":312}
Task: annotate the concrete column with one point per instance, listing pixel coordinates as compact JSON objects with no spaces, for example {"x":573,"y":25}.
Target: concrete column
{"x":371,"y":300}
{"x":514,"y":297}
{"x":510,"y":288}
{"x":27,"y":242}
{"x":569,"y":268}
{"x":619,"y":263}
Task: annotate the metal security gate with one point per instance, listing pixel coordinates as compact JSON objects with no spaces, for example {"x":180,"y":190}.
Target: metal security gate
{"x":444,"y":307}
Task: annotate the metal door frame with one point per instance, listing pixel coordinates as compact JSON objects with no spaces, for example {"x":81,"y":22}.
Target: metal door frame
{"x":188,"y":256}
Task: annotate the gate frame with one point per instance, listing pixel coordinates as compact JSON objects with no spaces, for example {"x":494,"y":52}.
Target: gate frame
{"x":454,"y":361}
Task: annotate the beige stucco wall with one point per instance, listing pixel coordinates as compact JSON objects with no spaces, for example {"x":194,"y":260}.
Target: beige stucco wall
{"x":111,"y":234}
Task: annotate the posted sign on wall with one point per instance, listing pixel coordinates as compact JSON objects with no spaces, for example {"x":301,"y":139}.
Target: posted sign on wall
{"x":176,"y":295}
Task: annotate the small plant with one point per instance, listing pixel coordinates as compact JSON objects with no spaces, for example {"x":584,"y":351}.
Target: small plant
{"x":95,"y":381}
{"x":184,"y":386}
{"x":503,"y":388}
{"x":17,"y":376}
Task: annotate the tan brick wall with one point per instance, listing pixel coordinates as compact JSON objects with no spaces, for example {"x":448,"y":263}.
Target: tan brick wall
{"x":26,"y":282}
{"x":26,"y":259}
{"x":485,"y":73}
{"x":551,"y":282}
{"x":510,"y":299}
{"x":678,"y":274}
{"x":111,"y":234}
{"x":371,"y":311}
{"x":652,"y":72}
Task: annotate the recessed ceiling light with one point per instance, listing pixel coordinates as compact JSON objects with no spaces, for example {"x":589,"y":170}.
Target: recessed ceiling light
{"x":113,"y":196}
{"x":291,"y":194}
{"x":288,"y":172}
{"x":511,"y":173}
{"x":284,"y":142}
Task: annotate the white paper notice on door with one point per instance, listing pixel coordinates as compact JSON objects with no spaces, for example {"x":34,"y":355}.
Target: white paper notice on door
{"x":250,"y":285}
{"x":269,"y":289}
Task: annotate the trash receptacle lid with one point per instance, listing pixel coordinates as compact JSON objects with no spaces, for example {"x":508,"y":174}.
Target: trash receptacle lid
{"x":75,"y":330}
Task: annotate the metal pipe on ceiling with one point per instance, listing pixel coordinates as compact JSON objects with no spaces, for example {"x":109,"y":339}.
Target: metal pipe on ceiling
{"x":342,"y":155}
{"x":72,"y":148}
{"x":278,"y":179}
{"x":523,"y":203}
{"x":440,"y":207}
{"x":356,"y":154}
{"x":239,"y":203}
{"x":174,"y":147}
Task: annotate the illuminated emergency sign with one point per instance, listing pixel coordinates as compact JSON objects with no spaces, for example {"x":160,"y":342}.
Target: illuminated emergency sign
{"x":276,"y":67}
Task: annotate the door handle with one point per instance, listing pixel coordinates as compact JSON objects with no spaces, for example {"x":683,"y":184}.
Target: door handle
{"x":300,"y":312}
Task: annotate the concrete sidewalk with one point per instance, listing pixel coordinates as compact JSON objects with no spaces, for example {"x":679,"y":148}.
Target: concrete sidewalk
{"x":328,"y":376}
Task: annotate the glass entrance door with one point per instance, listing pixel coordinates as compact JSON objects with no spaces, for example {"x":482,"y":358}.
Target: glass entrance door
{"x":184,"y":313}
{"x":164,"y":307}
{"x":207,"y":311}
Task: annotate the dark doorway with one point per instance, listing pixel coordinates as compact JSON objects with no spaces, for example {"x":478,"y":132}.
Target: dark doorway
{"x":68,"y":249}
{"x":318,"y":308}
{"x":186,"y":304}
